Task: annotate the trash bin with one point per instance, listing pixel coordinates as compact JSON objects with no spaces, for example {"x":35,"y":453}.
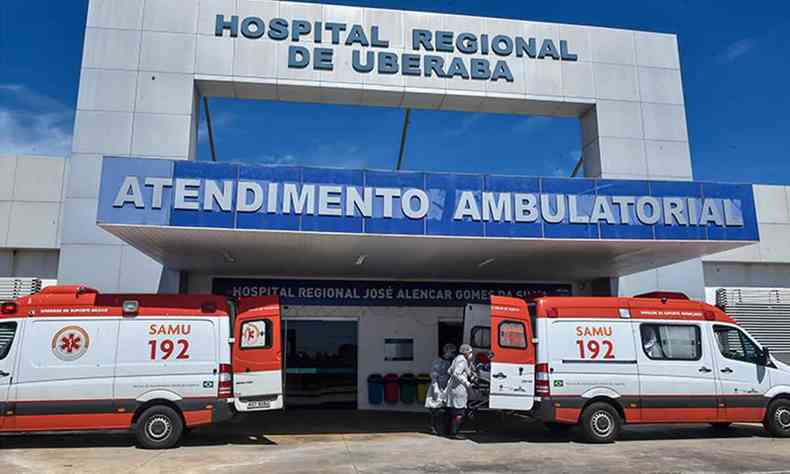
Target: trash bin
{"x":391,"y":390}
{"x":408,"y":388}
{"x":423,"y":382}
{"x":375,"y":389}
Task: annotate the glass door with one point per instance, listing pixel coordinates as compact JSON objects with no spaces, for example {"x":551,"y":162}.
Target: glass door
{"x":320,"y":363}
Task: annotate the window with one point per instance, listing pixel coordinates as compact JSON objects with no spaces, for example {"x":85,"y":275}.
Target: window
{"x":672,"y":342}
{"x":256,"y":334}
{"x":734,"y":344}
{"x":481,"y":337}
{"x":512,"y":335}
{"x":398,"y":349}
{"x":7,"y":331}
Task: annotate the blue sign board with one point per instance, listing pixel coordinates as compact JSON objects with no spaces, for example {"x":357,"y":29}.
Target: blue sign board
{"x":300,"y":199}
{"x":378,"y":293}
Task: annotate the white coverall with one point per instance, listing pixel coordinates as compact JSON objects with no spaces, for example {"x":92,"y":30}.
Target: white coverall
{"x":459,"y":384}
{"x":439,"y":376}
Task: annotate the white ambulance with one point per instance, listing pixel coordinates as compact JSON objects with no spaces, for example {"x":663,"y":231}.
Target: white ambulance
{"x":604,"y":362}
{"x":73,"y":359}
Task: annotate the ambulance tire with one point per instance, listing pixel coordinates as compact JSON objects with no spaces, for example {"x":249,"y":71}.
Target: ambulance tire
{"x":601,"y":423}
{"x":159,"y":427}
{"x":777,"y":418}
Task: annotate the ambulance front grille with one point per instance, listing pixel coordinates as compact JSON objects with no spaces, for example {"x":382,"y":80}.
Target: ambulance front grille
{"x":12,"y":288}
{"x":764,"y":313}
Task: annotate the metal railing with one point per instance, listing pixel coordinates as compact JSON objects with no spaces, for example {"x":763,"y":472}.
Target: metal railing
{"x":12,"y":288}
{"x":765,"y":313}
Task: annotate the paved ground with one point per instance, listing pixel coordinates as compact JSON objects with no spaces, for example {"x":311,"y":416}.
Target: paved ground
{"x":359,"y":442}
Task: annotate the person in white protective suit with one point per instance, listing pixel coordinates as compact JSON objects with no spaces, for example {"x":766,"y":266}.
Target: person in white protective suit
{"x":435,"y":398}
{"x":458,"y":389}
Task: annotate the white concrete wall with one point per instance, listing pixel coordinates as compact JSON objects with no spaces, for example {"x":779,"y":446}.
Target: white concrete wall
{"x":686,"y":277}
{"x":27,"y":263}
{"x":747,"y":275}
{"x":31,"y":206}
{"x":765,"y":264}
{"x":638,"y":128}
{"x":773,"y":218}
{"x":31,"y":197}
{"x":133,"y":101}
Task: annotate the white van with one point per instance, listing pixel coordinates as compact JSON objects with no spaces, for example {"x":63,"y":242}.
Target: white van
{"x":73,"y":359}
{"x":604,"y":362}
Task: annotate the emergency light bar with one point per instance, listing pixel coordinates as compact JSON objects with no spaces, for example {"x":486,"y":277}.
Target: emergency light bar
{"x":664,"y":295}
{"x":7,"y":307}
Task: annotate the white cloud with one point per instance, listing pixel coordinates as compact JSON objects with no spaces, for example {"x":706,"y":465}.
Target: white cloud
{"x":32,"y":123}
{"x":736,"y":50}
{"x":218,"y":121}
{"x":464,"y":126}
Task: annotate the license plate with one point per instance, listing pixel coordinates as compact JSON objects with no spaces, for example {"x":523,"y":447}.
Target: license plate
{"x":258,"y":404}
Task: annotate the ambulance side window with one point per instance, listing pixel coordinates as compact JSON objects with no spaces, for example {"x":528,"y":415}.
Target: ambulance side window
{"x":672,"y":341}
{"x":481,"y":337}
{"x":256,"y":334}
{"x":512,"y":335}
{"x":7,"y":331}
{"x":734,"y":344}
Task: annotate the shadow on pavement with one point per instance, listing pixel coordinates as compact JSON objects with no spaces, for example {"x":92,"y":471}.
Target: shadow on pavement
{"x":267,"y":429}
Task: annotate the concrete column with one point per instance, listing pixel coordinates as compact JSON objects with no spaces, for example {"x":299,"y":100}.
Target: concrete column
{"x":637,"y":130}
{"x":137,"y":97}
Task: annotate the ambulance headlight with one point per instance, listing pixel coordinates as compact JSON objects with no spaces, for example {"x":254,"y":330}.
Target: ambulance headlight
{"x":130,"y":307}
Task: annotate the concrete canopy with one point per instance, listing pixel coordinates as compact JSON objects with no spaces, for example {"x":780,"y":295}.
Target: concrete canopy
{"x":323,"y":255}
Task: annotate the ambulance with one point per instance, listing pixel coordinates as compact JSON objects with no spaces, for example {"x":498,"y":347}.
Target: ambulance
{"x":72,"y":359}
{"x":602,"y":362}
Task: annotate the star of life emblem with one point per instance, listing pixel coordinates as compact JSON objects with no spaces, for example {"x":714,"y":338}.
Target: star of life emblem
{"x":70,"y":343}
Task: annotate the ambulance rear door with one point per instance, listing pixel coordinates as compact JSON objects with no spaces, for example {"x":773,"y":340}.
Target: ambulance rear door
{"x":513,"y":363}
{"x":477,"y":333}
{"x":9,"y":333}
{"x":257,"y":355}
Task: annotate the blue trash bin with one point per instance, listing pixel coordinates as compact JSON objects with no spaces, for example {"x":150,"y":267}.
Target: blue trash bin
{"x":375,"y":389}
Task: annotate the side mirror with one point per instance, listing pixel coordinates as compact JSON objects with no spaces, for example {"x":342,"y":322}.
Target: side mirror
{"x":765,"y":356}
{"x":490,"y":355}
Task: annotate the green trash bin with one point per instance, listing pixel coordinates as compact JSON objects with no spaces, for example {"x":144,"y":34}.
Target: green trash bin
{"x":408,"y":388}
{"x":423,"y":382}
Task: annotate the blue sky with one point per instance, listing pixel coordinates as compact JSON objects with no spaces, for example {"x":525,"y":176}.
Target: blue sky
{"x":735,"y":74}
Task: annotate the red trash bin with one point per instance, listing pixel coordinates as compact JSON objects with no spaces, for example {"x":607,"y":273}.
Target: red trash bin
{"x":391,"y":388}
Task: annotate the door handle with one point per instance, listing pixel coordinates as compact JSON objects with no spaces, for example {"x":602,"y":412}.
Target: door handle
{"x":726,"y":370}
{"x":705,"y":370}
{"x":4,"y":373}
{"x":500,"y":375}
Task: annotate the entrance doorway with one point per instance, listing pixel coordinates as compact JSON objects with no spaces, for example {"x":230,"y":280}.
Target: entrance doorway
{"x":450,"y":332}
{"x":320,"y":363}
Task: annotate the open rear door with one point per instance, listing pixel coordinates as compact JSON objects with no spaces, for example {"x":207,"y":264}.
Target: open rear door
{"x":257,"y":355}
{"x":513,"y":365}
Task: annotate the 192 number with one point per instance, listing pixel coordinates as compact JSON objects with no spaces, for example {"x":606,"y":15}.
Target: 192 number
{"x":592,"y":349}
{"x":165,"y":348}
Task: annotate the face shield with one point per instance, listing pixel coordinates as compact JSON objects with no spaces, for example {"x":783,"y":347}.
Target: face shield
{"x":449,"y":351}
{"x":467,"y":352}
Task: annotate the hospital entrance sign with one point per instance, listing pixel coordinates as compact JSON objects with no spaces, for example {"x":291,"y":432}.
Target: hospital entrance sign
{"x":242,"y":197}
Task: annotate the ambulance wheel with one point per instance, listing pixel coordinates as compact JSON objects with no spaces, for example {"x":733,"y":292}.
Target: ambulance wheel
{"x":159,"y":427}
{"x":777,"y":419}
{"x":601,"y":423}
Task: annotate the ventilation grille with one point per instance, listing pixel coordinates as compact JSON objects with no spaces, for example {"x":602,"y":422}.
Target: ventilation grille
{"x":765,"y":313}
{"x":12,"y":288}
